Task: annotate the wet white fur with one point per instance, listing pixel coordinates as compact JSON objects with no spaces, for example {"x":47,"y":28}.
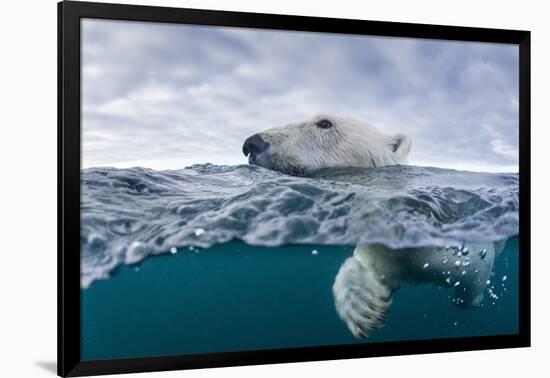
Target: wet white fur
{"x":363,"y":287}
{"x":349,"y":143}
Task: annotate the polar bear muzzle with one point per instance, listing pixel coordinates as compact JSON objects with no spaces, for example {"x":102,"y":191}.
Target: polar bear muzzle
{"x":258,"y":152}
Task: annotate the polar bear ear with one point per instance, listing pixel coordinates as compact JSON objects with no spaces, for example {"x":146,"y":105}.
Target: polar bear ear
{"x":400,"y":144}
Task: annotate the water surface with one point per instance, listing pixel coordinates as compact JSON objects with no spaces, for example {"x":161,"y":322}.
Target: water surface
{"x":129,"y":214}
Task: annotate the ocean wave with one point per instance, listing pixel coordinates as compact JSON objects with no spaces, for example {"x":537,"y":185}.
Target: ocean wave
{"x":129,"y":214}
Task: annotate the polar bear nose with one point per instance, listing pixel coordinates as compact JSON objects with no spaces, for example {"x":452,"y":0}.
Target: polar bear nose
{"x":254,"y":145}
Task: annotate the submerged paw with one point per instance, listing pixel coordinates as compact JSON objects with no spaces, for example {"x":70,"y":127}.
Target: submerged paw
{"x":362,"y":299}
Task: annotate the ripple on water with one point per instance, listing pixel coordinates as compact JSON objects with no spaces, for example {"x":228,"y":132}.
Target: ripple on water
{"x":128,"y":214}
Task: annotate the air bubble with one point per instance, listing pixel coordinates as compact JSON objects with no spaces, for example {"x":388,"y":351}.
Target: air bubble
{"x":483,"y":254}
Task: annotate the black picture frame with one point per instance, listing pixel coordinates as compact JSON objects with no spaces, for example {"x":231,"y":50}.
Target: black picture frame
{"x":69,"y":16}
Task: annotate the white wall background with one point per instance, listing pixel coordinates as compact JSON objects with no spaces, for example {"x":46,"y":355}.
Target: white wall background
{"x":28,"y":186}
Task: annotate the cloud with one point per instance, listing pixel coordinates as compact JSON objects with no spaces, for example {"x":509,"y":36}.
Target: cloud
{"x":167,"y":96}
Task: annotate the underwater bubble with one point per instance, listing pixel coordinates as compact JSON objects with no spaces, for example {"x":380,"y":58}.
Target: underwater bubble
{"x":466,"y":263}
{"x":425,"y":266}
{"x":465,"y":251}
{"x":488,"y":282}
{"x":173,"y":250}
{"x":199,"y":232}
{"x":455,"y":324}
{"x":463,"y":272}
{"x":504,"y":278}
{"x":483,"y":254}
{"x":314,"y":252}
{"x":457,"y":283}
{"x":457,"y":264}
{"x":191,"y":248}
{"x":448,"y":280}
{"x":445,"y":261}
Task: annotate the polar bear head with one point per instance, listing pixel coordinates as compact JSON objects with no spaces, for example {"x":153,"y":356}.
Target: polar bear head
{"x":325,"y":141}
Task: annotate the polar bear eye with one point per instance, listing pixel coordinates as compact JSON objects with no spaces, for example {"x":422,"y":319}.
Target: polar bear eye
{"x":324,"y":124}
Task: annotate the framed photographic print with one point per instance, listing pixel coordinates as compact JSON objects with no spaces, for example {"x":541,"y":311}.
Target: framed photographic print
{"x":239,"y":188}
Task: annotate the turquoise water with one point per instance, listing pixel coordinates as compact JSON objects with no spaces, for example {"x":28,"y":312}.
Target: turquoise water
{"x":234,"y":297}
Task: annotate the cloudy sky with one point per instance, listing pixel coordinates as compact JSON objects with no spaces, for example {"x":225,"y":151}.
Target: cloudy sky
{"x":167,"y":96}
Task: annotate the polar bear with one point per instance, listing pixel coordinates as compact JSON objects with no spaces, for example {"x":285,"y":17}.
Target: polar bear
{"x":365,"y":283}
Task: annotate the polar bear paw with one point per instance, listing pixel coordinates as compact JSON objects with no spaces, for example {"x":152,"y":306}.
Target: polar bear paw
{"x":362,"y":299}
